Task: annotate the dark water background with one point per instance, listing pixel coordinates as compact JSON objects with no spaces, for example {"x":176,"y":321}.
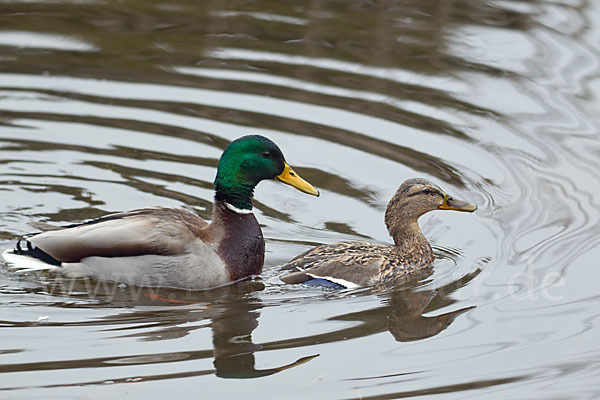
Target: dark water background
{"x":108,"y":106}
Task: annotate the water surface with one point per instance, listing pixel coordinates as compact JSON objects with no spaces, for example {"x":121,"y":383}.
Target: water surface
{"x":109,"y":106}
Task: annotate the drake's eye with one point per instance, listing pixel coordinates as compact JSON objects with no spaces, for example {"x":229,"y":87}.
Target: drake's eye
{"x":266,"y":154}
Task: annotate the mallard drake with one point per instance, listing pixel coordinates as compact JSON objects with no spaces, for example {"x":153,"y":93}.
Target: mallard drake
{"x":355,"y":264}
{"x":167,"y":247}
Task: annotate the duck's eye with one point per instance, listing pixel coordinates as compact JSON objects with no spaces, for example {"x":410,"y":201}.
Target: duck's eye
{"x":266,"y":154}
{"x":427,"y":191}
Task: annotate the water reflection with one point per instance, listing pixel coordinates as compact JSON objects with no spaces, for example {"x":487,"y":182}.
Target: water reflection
{"x":406,"y":321}
{"x":232,"y":314}
{"x":162,"y":314}
{"x":107,"y":106}
{"x":42,"y":41}
{"x":404,"y":307}
{"x":232,"y":340}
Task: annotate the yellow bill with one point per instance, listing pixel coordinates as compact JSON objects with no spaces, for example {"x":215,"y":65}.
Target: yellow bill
{"x":451,"y":203}
{"x":291,"y":178}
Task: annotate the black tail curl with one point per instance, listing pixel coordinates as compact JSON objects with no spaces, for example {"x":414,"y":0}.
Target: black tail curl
{"x":35,"y":252}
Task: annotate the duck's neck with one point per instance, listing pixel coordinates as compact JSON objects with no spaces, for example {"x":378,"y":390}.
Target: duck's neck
{"x":241,"y":245}
{"x":238,"y":195}
{"x":410,"y":242}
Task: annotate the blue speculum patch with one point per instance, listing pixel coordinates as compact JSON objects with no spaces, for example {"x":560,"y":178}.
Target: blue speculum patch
{"x":318,"y":282}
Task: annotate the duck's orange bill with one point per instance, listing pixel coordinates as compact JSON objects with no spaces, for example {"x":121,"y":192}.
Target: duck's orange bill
{"x":456,"y":205}
{"x":290,"y":177}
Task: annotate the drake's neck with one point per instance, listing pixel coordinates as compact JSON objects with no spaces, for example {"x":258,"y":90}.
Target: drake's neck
{"x":241,"y":245}
{"x":411,"y":243}
{"x":239,"y":196}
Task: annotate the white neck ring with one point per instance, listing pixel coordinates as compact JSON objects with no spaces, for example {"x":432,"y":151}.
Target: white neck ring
{"x":237,"y":210}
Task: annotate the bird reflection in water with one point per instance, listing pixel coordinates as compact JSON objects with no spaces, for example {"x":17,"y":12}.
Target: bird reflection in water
{"x":402,"y":309}
{"x":407,"y":305}
{"x":233,"y":312}
{"x":166,"y":314}
{"x":232,"y":338}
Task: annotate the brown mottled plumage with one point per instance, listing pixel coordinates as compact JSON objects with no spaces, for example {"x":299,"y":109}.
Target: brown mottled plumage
{"x":360,"y":263}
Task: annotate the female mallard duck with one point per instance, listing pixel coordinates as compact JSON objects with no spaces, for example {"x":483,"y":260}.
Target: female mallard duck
{"x":354,"y":264}
{"x":167,"y":247}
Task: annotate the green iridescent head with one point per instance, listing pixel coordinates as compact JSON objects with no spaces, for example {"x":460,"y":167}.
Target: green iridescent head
{"x":247,"y":161}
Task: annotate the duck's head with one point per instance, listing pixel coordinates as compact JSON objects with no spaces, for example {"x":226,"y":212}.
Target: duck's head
{"x":249,"y":160}
{"x":414,"y":198}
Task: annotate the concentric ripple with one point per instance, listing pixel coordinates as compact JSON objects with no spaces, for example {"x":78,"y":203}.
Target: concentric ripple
{"x":108,"y":106}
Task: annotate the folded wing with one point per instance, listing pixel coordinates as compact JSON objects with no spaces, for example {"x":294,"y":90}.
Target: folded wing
{"x":157,"y":230}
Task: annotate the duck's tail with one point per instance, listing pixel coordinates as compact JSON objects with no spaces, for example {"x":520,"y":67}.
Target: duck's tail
{"x":26,"y":257}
